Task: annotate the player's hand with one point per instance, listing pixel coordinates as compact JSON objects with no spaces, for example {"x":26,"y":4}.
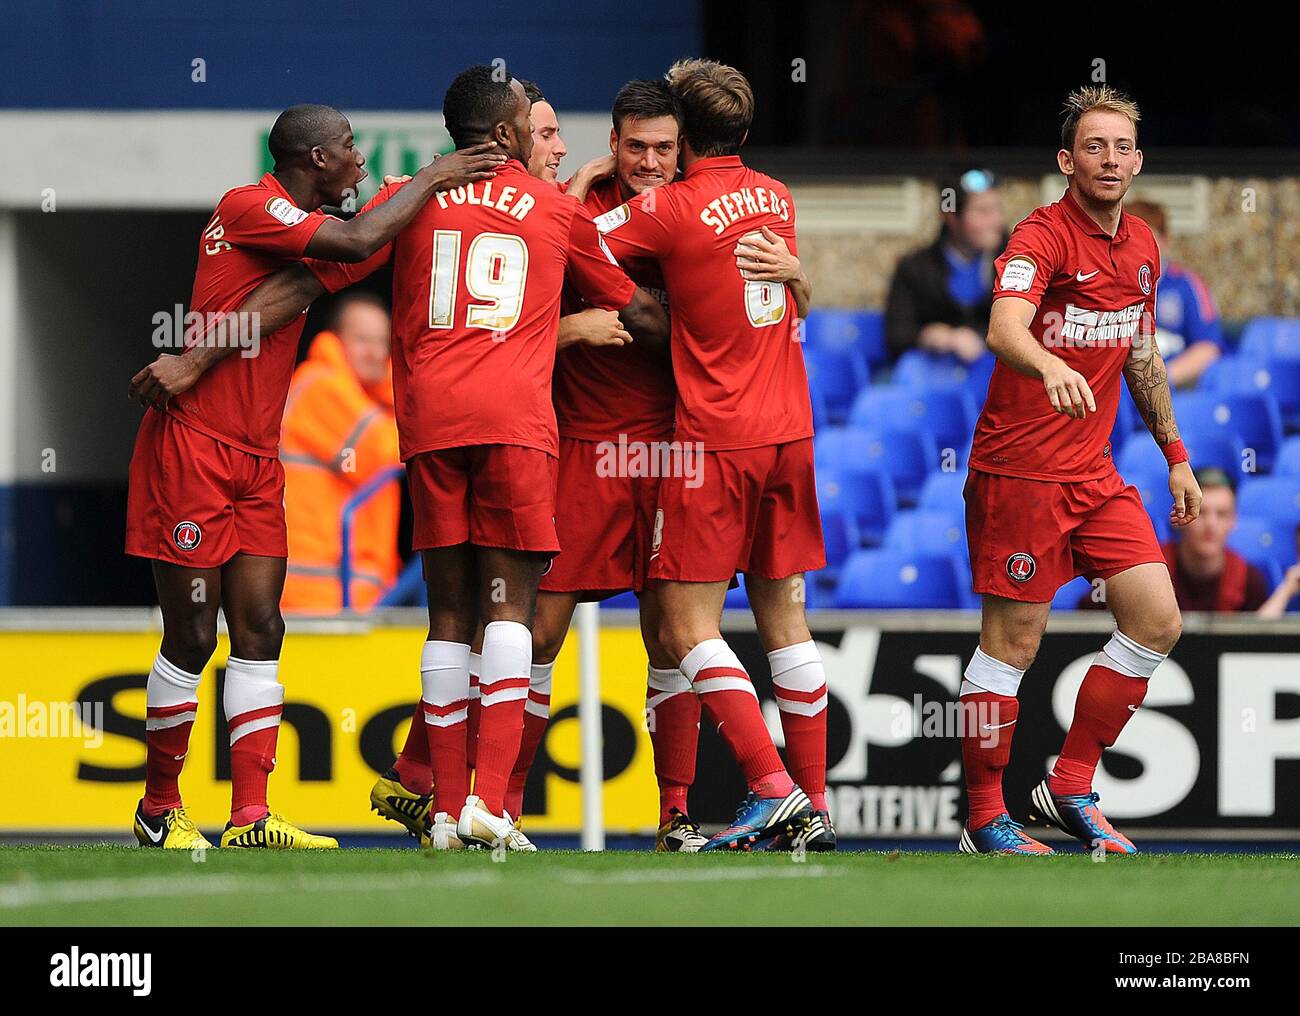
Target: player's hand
{"x":596,"y":327}
{"x":167,"y":376}
{"x":1068,"y":390}
{"x":588,"y":173}
{"x":468,"y":165}
{"x":1187,"y":495}
{"x":765,"y":257}
{"x":390,"y":180}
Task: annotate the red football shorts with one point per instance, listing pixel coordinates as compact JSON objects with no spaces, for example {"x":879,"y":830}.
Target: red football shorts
{"x":605,"y":521}
{"x":488,"y":495}
{"x":1028,"y":538}
{"x":751,"y":510}
{"x":197,"y":502}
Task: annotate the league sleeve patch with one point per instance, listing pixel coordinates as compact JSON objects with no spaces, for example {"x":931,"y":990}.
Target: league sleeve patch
{"x":1018,"y":275}
{"x":611,"y":220}
{"x":285,"y":211}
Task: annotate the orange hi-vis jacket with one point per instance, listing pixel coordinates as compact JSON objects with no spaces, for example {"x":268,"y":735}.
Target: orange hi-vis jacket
{"x":337,"y":435}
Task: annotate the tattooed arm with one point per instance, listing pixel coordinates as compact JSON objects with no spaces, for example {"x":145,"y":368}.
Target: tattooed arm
{"x":1148,"y":383}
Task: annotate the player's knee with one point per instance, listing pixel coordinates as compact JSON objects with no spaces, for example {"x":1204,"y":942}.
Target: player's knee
{"x":190,"y":644}
{"x":1017,"y":648}
{"x":1164,"y":632}
{"x":258,"y":637}
{"x":547,"y":643}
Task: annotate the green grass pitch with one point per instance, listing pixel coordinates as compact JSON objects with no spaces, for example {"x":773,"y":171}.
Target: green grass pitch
{"x":124,"y":886}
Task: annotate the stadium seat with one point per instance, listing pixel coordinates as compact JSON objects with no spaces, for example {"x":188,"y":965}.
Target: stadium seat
{"x":907,"y":456}
{"x":1266,"y":338}
{"x":1210,"y":447}
{"x":1254,"y":419}
{"x":1272,"y":497}
{"x":1259,"y":538}
{"x":835,"y":374}
{"x":927,"y":532}
{"x":868,"y":498}
{"x":737,"y":599}
{"x":947,"y":414}
{"x":862,"y":330}
{"x":977,"y":381}
{"x":886,"y":579}
{"x":942,"y":492}
{"x":1245,"y":375}
{"x":623,"y":601}
{"x":1069,"y":595}
{"x":839,"y":530}
{"x":1287,"y":462}
{"x":921,"y":371}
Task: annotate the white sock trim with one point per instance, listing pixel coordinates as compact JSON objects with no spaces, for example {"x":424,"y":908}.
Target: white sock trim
{"x":168,"y":685}
{"x":1128,"y":657}
{"x":507,"y":656}
{"x":251,"y":686}
{"x":798,"y":669}
{"x":662,"y":683}
{"x":984,"y":673}
{"x":710,"y":654}
{"x":539,"y":690}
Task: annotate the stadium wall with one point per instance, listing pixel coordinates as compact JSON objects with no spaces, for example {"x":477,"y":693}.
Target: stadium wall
{"x":1215,"y":751}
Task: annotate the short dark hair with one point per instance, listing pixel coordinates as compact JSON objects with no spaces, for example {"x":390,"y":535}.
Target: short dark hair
{"x":645,"y":100}
{"x":1213,"y":476}
{"x":477,"y":100}
{"x":533,"y":90}
{"x":299,"y":129}
{"x":717,"y":103}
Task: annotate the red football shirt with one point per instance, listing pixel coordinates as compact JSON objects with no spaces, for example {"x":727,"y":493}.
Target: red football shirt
{"x":255,"y":231}
{"x":477,"y":278}
{"x":736,"y":359}
{"x":1094,"y":293}
{"x":601,"y":393}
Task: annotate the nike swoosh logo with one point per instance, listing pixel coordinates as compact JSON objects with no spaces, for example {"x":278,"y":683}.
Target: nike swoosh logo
{"x":150,"y":833}
{"x":1132,"y":709}
{"x":1080,"y":277}
{"x":997,"y":726}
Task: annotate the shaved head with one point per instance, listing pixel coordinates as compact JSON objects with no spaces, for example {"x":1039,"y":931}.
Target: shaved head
{"x":299,"y":129}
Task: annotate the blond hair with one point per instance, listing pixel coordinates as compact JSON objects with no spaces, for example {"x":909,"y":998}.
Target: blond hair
{"x":1089,"y":99}
{"x":717,"y":104}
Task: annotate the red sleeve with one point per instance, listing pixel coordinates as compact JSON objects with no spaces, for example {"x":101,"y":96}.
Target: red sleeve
{"x":1025,"y":268}
{"x":592,"y":268}
{"x":641,"y":227}
{"x":336,"y":275}
{"x":257,"y":219}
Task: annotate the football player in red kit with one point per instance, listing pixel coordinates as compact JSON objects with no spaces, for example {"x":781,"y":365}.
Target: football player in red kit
{"x":477,"y":283}
{"x":206,"y":495}
{"x":1074,"y":300}
{"x":743,"y":497}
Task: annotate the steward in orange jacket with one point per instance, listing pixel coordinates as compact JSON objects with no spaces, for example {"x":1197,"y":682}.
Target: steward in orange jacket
{"x":339,"y":431}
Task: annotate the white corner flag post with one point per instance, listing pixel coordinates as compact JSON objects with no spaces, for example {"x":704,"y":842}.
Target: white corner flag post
{"x":592,"y":771}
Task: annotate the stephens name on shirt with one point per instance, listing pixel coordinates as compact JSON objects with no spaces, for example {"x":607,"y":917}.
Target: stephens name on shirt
{"x":725,"y":209}
{"x":508,"y":200}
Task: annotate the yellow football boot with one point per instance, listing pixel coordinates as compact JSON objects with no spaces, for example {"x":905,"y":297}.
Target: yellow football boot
{"x":273,"y":832}
{"x":390,"y":800}
{"x":172,"y":830}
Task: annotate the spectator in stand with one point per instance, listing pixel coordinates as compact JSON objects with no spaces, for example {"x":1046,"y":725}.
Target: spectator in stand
{"x":1207,"y":574}
{"x":339,"y":432}
{"x":1188,"y":333}
{"x":940,"y":296}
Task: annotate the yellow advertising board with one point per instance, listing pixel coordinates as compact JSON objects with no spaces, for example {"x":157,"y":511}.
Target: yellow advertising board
{"x":347,"y":707}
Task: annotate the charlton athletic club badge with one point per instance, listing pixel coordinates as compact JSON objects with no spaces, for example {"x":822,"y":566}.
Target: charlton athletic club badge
{"x":1144,"y":279}
{"x":1021,"y":567}
{"x":187,"y":535}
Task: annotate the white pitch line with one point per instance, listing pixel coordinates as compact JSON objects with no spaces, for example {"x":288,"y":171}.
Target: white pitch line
{"x":103,"y":890}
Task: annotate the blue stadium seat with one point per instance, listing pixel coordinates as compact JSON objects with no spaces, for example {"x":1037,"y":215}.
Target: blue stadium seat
{"x":868,"y":498}
{"x":942,"y":492}
{"x":920,"y":370}
{"x":977,"y":381}
{"x":1153,"y":487}
{"x":907,"y":456}
{"x":1266,"y":338}
{"x":835,"y":374}
{"x":1245,"y":375}
{"x":887,"y":579}
{"x":1260,"y":538}
{"x":1288,"y":458}
{"x":737,"y":599}
{"x":1254,"y":419}
{"x":942,"y":533}
{"x":1210,"y":447}
{"x":1069,"y":595}
{"x":947,"y":414}
{"x":839,"y":530}
{"x":863,"y":330}
{"x":1141,"y":457}
{"x":1272,"y":497}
